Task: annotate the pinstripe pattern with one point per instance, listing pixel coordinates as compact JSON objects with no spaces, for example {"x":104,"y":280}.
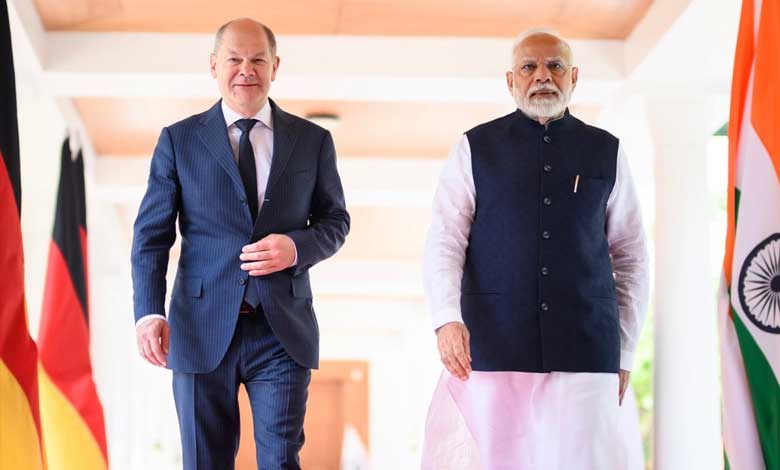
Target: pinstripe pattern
{"x":277,"y":387}
{"x":194,"y":179}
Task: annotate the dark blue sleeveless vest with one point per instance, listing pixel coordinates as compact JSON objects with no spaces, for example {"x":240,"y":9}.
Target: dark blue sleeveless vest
{"x":538,"y":293}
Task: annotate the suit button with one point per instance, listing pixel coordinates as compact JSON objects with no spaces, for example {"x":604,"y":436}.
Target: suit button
{"x":547,"y":201}
{"x":242,"y":281}
{"x":548,"y":168}
{"x":545,"y":270}
{"x":546,"y":235}
{"x":243,"y":201}
{"x":547,"y":139}
{"x":544,"y":306}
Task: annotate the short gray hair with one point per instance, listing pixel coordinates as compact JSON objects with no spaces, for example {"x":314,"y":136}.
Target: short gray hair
{"x":268,"y":33}
{"x":537,"y":32}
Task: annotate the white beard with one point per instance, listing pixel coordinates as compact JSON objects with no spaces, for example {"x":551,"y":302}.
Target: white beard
{"x":542,"y":107}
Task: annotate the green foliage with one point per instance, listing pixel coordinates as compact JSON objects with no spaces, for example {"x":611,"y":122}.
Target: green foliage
{"x":642,"y":382}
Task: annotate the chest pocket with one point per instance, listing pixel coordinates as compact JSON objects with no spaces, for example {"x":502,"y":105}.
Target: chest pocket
{"x":589,"y":190}
{"x":588,"y":204}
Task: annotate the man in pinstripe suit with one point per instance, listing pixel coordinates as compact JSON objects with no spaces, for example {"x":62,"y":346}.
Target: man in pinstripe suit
{"x":259,"y":201}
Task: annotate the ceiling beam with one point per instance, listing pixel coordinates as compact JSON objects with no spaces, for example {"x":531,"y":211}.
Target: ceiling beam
{"x":27,"y":35}
{"x":678,"y":49}
{"x":313,"y":67}
{"x":660,"y":17}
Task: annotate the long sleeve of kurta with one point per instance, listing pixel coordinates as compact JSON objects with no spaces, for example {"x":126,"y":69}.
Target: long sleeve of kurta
{"x":630,"y":263}
{"x":453,"y":213}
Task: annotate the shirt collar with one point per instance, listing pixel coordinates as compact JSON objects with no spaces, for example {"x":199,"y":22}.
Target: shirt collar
{"x":528,"y":121}
{"x":264,"y":115}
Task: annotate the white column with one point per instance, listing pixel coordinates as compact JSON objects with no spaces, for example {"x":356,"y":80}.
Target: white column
{"x":687,"y":406}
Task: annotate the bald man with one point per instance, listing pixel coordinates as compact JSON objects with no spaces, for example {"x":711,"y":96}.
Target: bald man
{"x":536,"y":271}
{"x":258,"y":202}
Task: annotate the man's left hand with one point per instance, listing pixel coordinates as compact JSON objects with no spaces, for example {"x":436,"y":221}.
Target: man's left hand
{"x":268,"y":255}
{"x":624,"y":378}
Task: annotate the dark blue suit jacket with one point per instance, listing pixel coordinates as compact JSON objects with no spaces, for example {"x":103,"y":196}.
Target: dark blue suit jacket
{"x":194,"y":178}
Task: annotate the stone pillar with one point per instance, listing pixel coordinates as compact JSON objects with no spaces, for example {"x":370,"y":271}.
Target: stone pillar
{"x":687,"y":389}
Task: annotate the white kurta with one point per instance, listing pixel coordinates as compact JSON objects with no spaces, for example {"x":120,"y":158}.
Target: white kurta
{"x":521,"y":420}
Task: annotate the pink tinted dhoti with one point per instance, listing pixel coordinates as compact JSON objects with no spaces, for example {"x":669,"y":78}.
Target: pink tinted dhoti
{"x":532,"y":421}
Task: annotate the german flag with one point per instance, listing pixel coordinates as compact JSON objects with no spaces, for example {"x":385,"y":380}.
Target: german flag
{"x":70,"y":409}
{"x":20,"y":424}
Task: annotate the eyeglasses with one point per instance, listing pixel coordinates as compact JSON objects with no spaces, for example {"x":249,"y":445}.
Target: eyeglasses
{"x":555,"y":67}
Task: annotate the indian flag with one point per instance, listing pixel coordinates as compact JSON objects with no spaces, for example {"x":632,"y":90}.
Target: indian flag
{"x":750,"y":293}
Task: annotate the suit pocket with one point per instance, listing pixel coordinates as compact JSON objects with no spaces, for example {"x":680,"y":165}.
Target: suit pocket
{"x":301,"y":173}
{"x":301,"y":287}
{"x":192,"y":286}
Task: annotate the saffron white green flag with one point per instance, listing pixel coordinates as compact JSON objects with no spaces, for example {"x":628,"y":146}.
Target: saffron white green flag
{"x":750,"y":294}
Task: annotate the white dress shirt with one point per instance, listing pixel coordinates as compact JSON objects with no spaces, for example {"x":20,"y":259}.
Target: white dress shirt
{"x":453,"y":214}
{"x":262,"y":138}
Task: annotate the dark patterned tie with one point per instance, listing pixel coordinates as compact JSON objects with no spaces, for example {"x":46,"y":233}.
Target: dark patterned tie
{"x":246,"y":164}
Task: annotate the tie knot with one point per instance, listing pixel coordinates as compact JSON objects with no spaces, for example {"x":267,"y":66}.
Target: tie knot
{"x":246,"y":124}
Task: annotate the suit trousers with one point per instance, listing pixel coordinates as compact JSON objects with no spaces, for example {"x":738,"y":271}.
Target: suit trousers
{"x":207,"y":404}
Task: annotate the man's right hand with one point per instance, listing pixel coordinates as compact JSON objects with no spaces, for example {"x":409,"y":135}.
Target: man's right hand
{"x":453,"y":339}
{"x":153,"y":338}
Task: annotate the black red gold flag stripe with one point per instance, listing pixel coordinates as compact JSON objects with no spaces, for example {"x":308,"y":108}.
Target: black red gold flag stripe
{"x":70,"y":408}
{"x":20,"y":424}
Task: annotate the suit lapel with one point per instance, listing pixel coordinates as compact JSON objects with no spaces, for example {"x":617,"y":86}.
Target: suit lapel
{"x":213,"y":134}
{"x":284,"y":142}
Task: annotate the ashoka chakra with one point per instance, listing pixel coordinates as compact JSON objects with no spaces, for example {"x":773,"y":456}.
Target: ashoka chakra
{"x":759,"y":285}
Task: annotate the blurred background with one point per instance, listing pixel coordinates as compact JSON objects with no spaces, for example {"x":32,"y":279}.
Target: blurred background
{"x":397,"y":82}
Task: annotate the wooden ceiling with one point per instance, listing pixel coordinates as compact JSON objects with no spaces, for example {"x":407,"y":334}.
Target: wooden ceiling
{"x":130,"y":127}
{"x":583,"y":19}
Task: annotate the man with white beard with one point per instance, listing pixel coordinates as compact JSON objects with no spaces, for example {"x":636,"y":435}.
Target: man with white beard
{"x":536,"y":273}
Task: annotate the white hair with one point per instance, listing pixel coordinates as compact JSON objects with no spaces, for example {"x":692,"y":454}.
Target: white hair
{"x":535,"y":32}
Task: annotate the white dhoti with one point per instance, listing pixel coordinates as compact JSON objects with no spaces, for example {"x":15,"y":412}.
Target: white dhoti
{"x":532,"y":421}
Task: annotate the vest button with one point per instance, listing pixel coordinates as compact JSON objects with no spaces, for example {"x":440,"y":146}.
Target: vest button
{"x":242,"y":281}
{"x":548,"y":168}
{"x":546,"y":234}
{"x":547,"y":139}
{"x":547,"y":201}
{"x":545,"y":270}
{"x":544,"y":306}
